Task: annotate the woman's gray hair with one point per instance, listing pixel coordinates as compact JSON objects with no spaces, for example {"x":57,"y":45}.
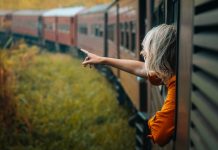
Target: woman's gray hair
{"x":159,"y":51}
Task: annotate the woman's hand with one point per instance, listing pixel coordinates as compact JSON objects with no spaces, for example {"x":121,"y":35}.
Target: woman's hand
{"x":91,"y":59}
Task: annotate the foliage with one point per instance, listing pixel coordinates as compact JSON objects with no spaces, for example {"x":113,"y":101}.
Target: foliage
{"x":46,"y":4}
{"x":62,"y":105}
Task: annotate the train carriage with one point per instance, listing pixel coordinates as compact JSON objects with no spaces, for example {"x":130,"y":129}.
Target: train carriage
{"x":27,"y":23}
{"x":50,"y":26}
{"x":91,"y":29}
{"x":67,"y":25}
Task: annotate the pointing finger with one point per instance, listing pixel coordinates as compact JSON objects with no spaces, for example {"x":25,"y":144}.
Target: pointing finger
{"x":84,"y":51}
{"x":86,"y":62}
{"x":87,"y":58}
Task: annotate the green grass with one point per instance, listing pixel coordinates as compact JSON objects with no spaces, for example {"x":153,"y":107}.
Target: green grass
{"x":64,"y":106}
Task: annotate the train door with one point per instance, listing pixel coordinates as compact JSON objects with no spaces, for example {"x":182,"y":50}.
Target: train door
{"x":197,"y":76}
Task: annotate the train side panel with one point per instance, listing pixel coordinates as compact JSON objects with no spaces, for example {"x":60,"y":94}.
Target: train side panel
{"x":112,"y":38}
{"x":128,"y":35}
{"x":27,"y":23}
{"x":64,"y":31}
{"x":66,"y":25}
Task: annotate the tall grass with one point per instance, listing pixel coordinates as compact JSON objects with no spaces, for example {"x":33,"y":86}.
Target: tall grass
{"x":61,"y":105}
{"x":8,"y":109}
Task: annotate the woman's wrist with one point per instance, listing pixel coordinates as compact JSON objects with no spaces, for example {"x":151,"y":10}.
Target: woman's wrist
{"x":102,"y":60}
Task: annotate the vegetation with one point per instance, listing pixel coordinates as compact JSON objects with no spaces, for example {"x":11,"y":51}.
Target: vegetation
{"x":51,"y":102}
{"x":46,"y":4}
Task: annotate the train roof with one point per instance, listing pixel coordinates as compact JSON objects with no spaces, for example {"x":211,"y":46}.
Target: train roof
{"x":5,"y":12}
{"x":64,"y":12}
{"x":97,"y":8}
{"x":29,"y":12}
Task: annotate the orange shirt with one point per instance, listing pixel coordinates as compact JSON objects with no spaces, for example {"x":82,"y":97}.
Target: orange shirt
{"x":162,"y":124}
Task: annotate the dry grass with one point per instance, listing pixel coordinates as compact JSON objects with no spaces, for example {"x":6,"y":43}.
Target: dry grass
{"x":61,"y":105}
{"x":8,"y":104}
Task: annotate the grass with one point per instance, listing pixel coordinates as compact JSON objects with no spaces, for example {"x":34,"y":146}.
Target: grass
{"x":63,"y":106}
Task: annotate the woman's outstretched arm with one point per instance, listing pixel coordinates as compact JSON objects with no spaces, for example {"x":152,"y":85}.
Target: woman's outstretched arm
{"x":131,"y":66}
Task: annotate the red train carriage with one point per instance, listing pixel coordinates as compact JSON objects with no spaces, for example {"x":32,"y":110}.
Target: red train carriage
{"x":50,"y":25}
{"x":5,"y":20}
{"x":67,"y":25}
{"x":27,"y":22}
{"x":91,"y":29}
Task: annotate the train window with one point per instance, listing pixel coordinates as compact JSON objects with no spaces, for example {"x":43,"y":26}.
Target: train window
{"x":97,"y":30}
{"x":133,"y":36}
{"x":49,"y":27}
{"x":157,"y":3}
{"x":64,"y":28}
{"x":100,"y":31}
{"x":111,"y":32}
{"x":122,"y":34}
{"x":159,"y":12}
{"x":127,"y":35}
{"x":83,"y":29}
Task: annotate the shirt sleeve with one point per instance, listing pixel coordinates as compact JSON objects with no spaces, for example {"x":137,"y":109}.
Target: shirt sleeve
{"x":162,"y":124}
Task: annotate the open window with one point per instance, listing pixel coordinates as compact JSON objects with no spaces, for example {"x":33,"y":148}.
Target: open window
{"x":122,"y":31}
{"x":126,"y":35}
{"x":133,"y":36}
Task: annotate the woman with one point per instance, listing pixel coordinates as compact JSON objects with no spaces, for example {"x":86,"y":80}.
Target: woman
{"x":159,"y":52}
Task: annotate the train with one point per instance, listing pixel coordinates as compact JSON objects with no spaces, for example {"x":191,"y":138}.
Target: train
{"x":117,"y":30}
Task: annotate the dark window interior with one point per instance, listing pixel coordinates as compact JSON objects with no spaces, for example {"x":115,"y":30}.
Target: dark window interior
{"x":127,"y":35}
{"x":111,"y":32}
{"x":133,"y":36}
{"x":83,"y":29}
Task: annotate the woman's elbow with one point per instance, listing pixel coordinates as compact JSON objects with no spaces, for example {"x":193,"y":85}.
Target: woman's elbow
{"x":160,"y":140}
{"x":162,"y":137}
